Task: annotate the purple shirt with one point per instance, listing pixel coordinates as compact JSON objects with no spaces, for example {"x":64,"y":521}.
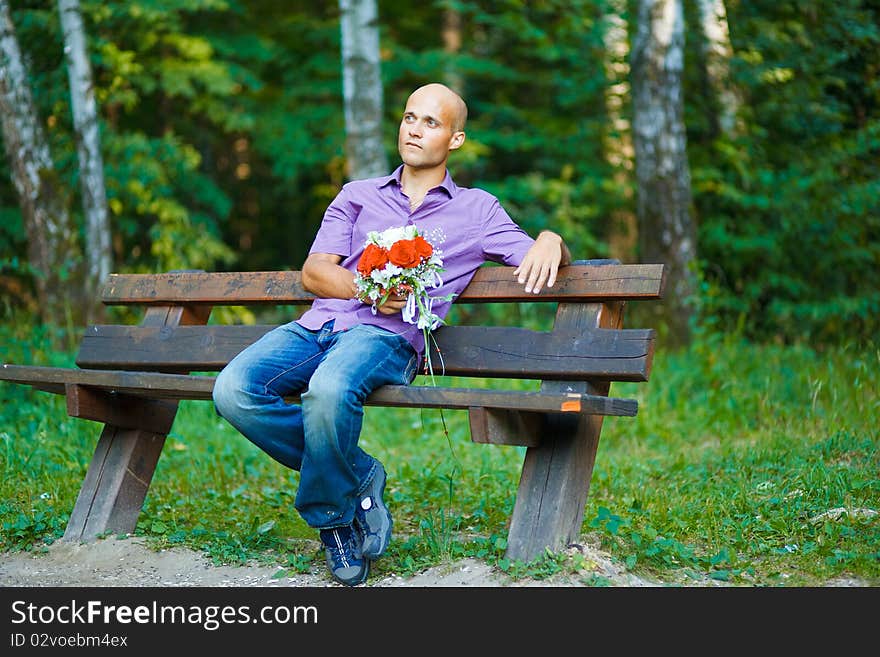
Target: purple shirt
{"x":473,"y":229}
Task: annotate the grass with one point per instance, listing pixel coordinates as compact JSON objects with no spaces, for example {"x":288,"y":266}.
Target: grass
{"x":750,"y":464}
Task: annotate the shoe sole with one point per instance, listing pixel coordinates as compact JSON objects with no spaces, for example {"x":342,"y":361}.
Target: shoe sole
{"x":376,"y":544}
{"x":350,"y":582}
{"x":354,"y":582}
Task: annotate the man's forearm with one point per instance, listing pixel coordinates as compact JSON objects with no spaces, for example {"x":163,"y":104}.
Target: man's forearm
{"x":328,"y":280}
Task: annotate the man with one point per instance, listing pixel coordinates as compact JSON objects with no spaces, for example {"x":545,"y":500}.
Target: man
{"x":339,"y":351}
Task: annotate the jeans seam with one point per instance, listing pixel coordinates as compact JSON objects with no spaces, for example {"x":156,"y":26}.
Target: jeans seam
{"x":369,"y":479}
{"x":288,"y":371}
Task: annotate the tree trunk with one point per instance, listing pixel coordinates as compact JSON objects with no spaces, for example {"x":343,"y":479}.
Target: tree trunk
{"x":362,"y":89}
{"x":666,"y":230}
{"x":716,"y":52}
{"x":91,"y":163}
{"x":52,"y":252}
{"x":623,"y":231}
{"x":452,"y":46}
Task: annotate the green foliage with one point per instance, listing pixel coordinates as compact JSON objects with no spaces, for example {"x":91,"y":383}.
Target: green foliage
{"x":24,"y":531}
{"x":789,"y":236}
{"x":770,"y":453}
{"x":222,"y":135}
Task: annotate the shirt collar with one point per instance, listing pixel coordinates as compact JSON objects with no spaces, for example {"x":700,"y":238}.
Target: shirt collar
{"x":448,"y":185}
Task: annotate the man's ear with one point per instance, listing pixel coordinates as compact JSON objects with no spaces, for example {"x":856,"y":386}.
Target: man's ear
{"x":456,"y":140}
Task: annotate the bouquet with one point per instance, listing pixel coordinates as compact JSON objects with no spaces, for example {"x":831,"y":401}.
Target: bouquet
{"x":402,"y":261}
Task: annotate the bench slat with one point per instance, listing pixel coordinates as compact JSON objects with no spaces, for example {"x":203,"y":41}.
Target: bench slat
{"x":157,"y":385}
{"x":485,"y":351}
{"x":489,"y":284}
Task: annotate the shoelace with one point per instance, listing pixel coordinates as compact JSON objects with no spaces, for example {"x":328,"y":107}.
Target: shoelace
{"x":339,"y":548}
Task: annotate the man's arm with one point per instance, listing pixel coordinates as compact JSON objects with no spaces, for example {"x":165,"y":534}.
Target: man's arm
{"x":542,"y":261}
{"x":323,"y":277}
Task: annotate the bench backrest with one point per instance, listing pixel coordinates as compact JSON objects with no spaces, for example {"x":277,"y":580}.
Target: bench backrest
{"x":600,"y":350}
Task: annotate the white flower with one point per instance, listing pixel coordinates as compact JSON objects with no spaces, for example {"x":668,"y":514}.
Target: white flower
{"x":388,"y":237}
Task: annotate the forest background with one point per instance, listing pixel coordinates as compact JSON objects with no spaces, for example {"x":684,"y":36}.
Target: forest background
{"x":222,"y":133}
{"x":225,"y":130}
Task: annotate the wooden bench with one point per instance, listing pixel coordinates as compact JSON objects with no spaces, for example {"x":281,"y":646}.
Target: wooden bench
{"x":131,"y":378}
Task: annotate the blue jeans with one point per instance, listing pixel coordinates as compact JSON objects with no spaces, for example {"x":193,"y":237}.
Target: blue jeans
{"x":335,"y":372}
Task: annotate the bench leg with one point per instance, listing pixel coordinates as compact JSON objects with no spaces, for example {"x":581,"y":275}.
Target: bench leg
{"x":556,"y":474}
{"x":125,"y":459}
{"x":553,"y":486}
{"x":116,"y":483}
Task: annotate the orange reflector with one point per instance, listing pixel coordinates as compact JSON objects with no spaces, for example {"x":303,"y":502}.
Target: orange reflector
{"x":571,"y":406}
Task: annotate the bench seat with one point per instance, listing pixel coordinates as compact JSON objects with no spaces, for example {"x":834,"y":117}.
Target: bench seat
{"x":158,"y":385}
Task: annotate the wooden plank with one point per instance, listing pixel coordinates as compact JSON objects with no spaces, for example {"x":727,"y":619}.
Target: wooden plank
{"x":508,"y":352}
{"x":502,"y":426}
{"x":481,"y":351}
{"x":119,"y":409}
{"x":158,"y":385}
{"x":574,"y":283}
{"x":489,"y":284}
{"x":465,"y":398}
{"x":188,"y":348}
{"x":555,"y":478}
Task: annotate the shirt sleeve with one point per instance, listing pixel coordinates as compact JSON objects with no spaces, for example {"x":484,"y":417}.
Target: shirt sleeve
{"x":503,"y":240}
{"x":334,"y":234}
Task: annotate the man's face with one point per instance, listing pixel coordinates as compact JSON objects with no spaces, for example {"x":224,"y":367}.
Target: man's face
{"x":426,"y":132}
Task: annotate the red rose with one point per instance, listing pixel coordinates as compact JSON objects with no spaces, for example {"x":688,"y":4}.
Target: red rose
{"x":423,"y":247}
{"x":373,"y":257}
{"x":403,"y":253}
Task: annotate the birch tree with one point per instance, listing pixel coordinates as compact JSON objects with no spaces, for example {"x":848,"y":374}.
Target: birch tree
{"x":362,"y":89}
{"x":666,"y":230}
{"x":91,"y":164}
{"x":51,"y":240}
{"x":717,"y":51}
{"x":623,"y":231}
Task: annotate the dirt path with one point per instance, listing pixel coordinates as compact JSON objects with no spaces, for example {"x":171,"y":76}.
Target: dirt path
{"x":129,"y":562}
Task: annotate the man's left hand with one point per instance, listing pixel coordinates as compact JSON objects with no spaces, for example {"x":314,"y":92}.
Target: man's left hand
{"x":542,"y":261}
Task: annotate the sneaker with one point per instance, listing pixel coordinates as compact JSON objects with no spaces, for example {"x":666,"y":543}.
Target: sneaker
{"x":345,"y":557}
{"x":372,"y":517}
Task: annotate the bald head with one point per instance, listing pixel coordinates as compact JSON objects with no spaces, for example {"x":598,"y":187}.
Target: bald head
{"x":453,"y":104}
{"x":431,"y":127}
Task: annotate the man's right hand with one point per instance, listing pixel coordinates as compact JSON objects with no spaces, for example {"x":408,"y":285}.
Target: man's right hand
{"x":393,"y":304}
